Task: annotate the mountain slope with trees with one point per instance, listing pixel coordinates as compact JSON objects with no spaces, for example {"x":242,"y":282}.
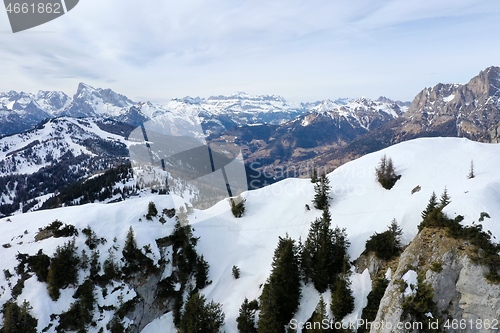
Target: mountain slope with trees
{"x":112,"y":241}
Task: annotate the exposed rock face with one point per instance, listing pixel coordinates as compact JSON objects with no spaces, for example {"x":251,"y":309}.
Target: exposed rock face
{"x":369,"y":261}
{"x":461,"y":291}
{"x":147,"y":309}
{"x":149,"y":306}
{"x":471,"y":110}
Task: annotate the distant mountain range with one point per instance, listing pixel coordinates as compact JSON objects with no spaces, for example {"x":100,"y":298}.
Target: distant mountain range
{"x":20,"y":111}
{"x":76,"y":137}
{"x":469,"y":110}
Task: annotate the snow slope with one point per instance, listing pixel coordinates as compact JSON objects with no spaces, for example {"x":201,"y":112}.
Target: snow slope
{"x":358,"y":204}
{"x":30,"y":151}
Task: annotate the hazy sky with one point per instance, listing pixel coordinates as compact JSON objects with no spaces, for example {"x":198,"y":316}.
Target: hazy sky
{"x":303,"y":50}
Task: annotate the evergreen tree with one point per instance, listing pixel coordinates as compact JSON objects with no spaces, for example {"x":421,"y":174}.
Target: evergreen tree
{"x":135,"y":259}
{"x":386,"y":244}
{"x":417,"y":306}
{"x":270,"y":309}
{"x":184,"y":244}
{"x":430,"y":206}
{"x":471,"y":174}
{"x":386,"y":173}
{"x":17,"y":319}
{"x":396,"y":232}
{"x":236,"y":272}
{"x":200,"y":316}
{"x":152,"y":211}
{"x":281,"y":293}
{"x":433,"y":215}
{"x":324,"y":253}
{"x":340,"y":245}
{"x":201,"y":274}
{"x":110,"y":267}
{"x":81,"y":312}
{"x":84,"y":260}
{"x":319,"y":316}
{"x":374,"y":297}
{"x":130,"y":246}
{"x":95,"y":266}
{"x":40,"y":264}
{"x":322,"y":190}
{"x":246,"y":318}
{"x":131,"y":253}
{"x":445,"y":199}
{"x":63,"y":269}
{"x":323,"y":261}
{"x":342,"y":299}
{"x":237,"y":206}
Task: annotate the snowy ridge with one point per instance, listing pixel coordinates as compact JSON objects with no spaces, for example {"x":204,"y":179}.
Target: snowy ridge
{"x":89,"y":101}
{"x":28,"y":152}
{"x":358,"y":204}
{"x":360,"y":112}
{"x":242,"y":102}
{"x":350,"y":107}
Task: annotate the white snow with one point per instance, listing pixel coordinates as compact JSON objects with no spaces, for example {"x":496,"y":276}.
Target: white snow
{"x":388,"y":274}
{"x":362,"y":110}
{"x":361,"y":285}
{"x":163,"y":324}
{"x":410,"y":278}
{"x":449,"y":98}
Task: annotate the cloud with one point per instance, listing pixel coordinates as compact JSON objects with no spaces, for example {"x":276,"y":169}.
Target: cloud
{"x":302,"y":50}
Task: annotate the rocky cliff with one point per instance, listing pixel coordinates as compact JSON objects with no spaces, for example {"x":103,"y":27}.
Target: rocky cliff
{"x":471,"y":110}
{"x":462,"y":295}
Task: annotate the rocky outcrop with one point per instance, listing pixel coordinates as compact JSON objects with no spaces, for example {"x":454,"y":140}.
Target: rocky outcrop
{"x":461,"y":291}
{"x":471,"y":110}
{"x":148,"y":305}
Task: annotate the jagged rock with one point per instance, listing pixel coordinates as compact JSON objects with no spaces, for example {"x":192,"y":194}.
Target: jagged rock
{"x":149,"y":307}
{"x":461,"y":291}
{"x":471,"y":110}
{"x":369,"y":261}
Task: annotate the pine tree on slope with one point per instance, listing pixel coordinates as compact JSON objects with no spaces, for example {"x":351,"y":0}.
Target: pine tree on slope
{"x":281,"y":293}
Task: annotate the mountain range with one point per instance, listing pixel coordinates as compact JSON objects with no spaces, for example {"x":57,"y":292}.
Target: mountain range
{"x":278,"y":139}
{"x":21,"y":111}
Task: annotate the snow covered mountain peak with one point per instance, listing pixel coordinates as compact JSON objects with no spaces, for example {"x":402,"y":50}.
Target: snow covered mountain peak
{"x":89,"y":101}
{"x":188,"y":100}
